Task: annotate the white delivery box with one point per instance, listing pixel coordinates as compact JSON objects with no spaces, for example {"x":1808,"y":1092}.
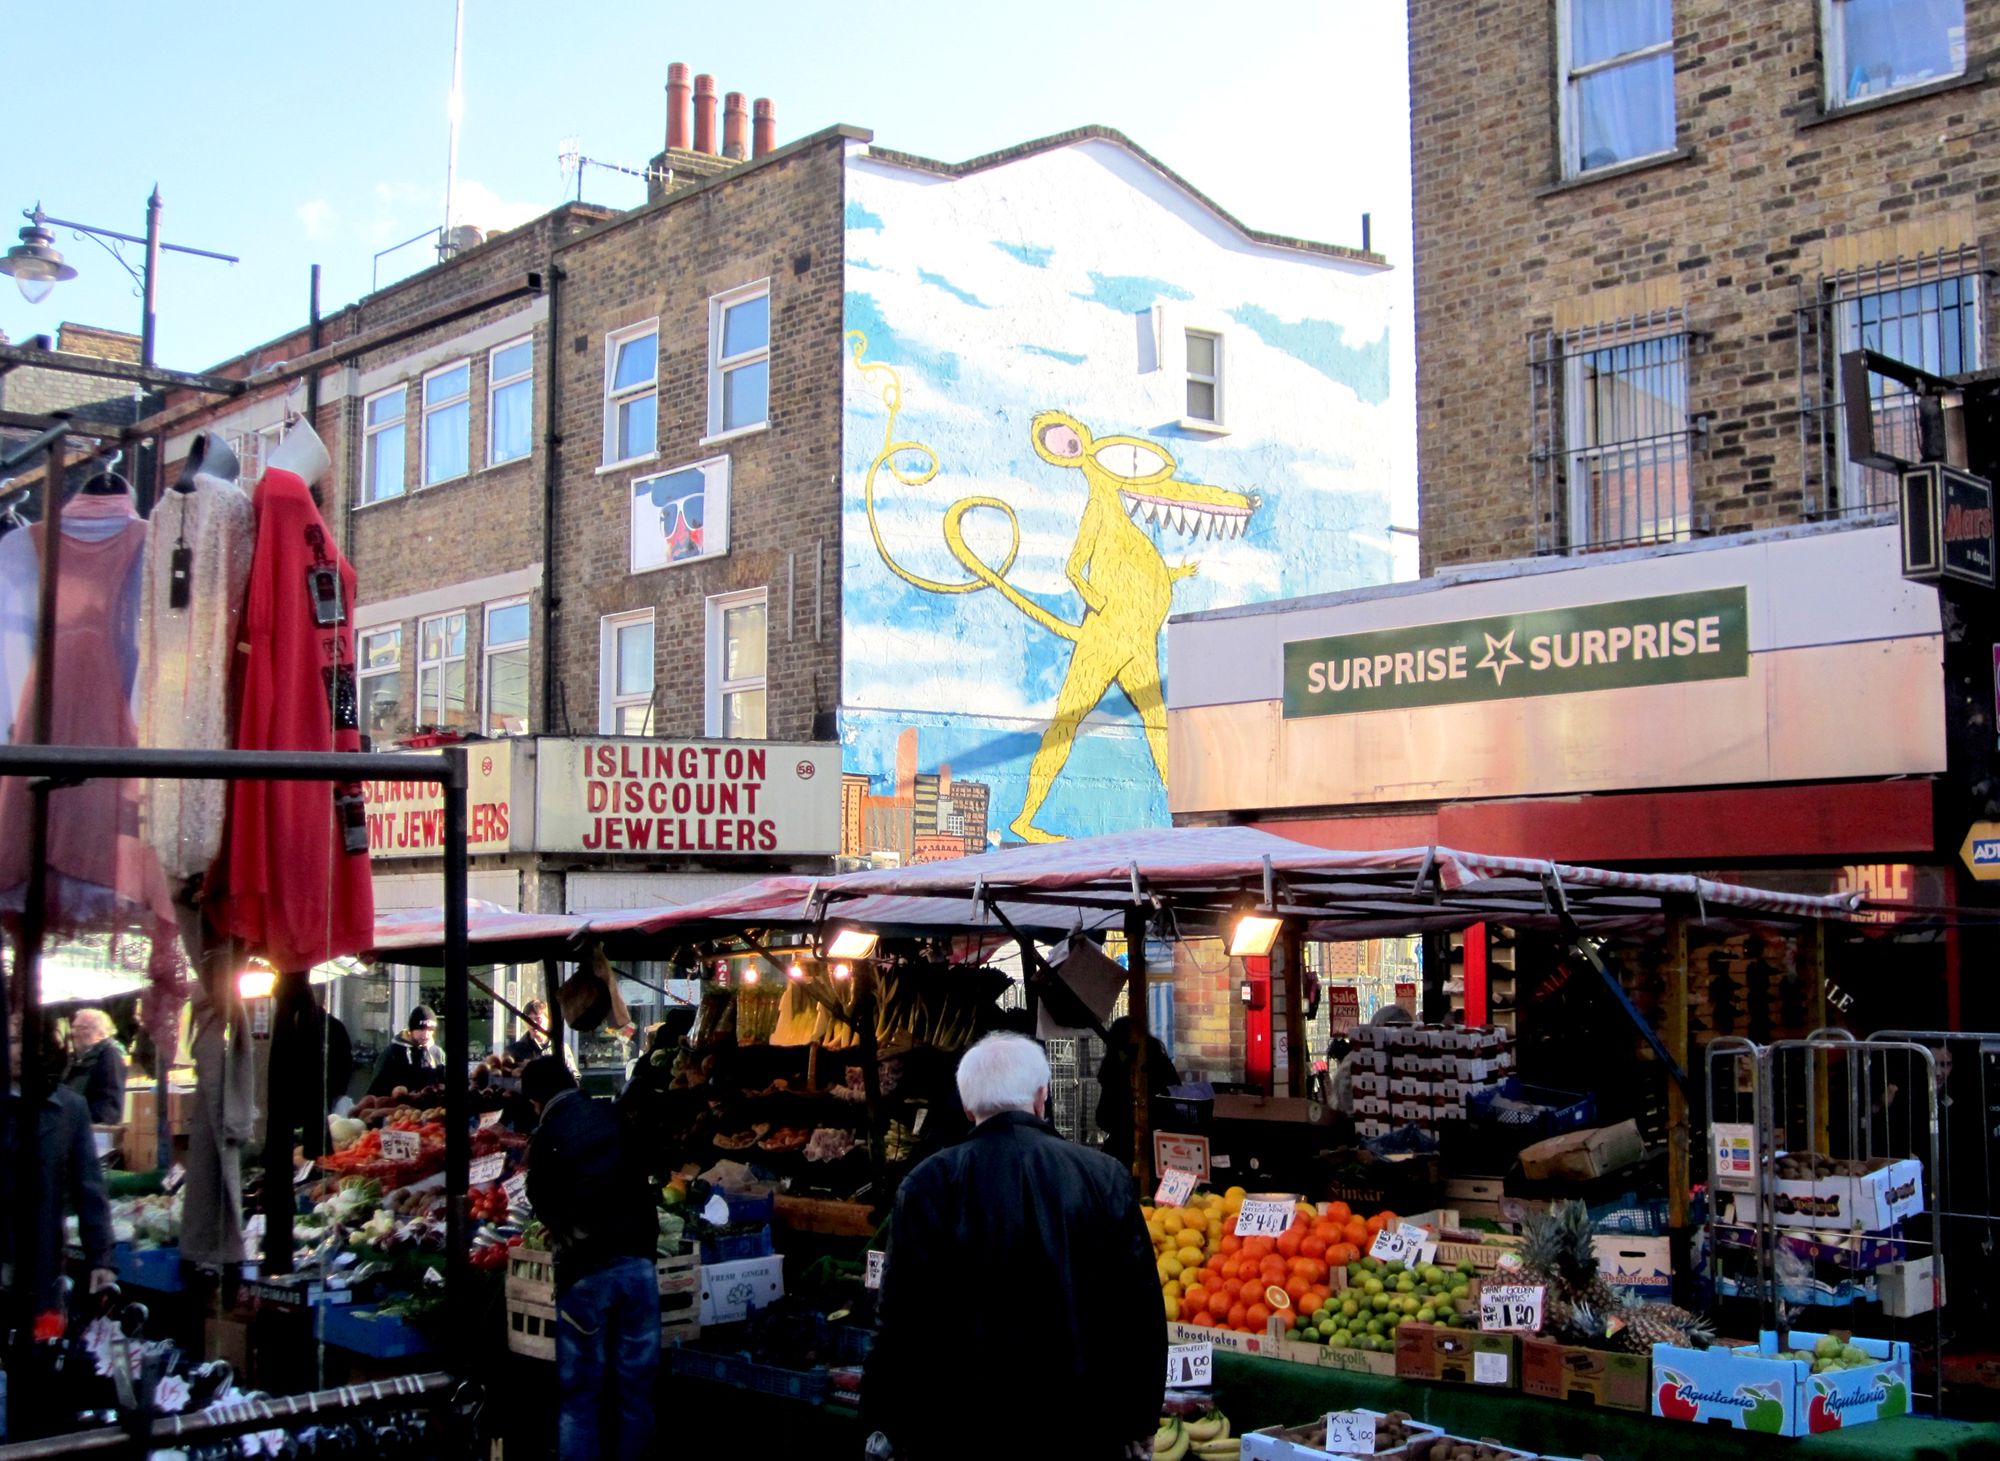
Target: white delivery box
{"x":729,"y":1291}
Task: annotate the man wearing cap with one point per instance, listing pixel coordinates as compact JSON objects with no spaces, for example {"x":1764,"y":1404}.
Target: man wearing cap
{"x":412,"y":1059}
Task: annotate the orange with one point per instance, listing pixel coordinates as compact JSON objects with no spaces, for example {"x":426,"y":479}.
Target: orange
{"x":1230,"y":1243}
{"x":1195,"y":1298}
{"x":1340,"y":1212}
{"x":1313,"y":1246}
{"x":1297,"y":1288}
{"x":1315,"y":1296}
{"x":1248,"y":1270}
{"x":1358,"y":1232}
{"x":1238,"y":1315}
{"x":1205,"y":1319}
{"x":1288,"y":1244}
{"x":1256,"y":1316}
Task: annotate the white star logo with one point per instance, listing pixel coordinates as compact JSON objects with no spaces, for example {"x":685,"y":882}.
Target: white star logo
{"x":1499,"y":655}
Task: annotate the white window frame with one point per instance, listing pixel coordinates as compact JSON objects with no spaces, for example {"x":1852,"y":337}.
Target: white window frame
{"x":371,"y":492}
{"x":437,"y":721}
{"x":496,"y":383}
{"x":715,"y":515}
{"x":1833,"y":46}
{"x":432,"y":408}
{"x":717,"y":686}
{"x":1190,"y":377}
{"x":1854,"y":478}
{"x":719,"y":365}
{"x":613,"y":401}
{"x":363,"y":674}
{"x":1570,"y":129}
{"x":609,"y":701}
{"x":488,"y":649}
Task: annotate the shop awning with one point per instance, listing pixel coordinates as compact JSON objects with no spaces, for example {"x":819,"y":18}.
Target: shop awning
{"x":494,"y":935}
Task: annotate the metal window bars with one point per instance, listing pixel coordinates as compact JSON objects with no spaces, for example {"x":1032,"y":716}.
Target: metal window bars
{"x":1928,"y":311}
{"x":1612,"y":438}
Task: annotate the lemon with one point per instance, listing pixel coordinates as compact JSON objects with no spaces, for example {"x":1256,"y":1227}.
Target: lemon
{"x":1170,"y":1222}
{"x":1171,"y":1267}
{"x":1171,"y":1288}
{"x":1173,"y":1307}
{"x":1189,"y":1257}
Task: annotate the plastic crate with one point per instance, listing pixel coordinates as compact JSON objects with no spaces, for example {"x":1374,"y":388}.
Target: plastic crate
{"x":808,"y":1386}
{"x":852,"y":1343}
{"x":377,"y":1335}
{"x":158,"y":1269}
{"x":1532,"y":1113}
{"x":751,"y":1207}
{"x":732,"y":1247}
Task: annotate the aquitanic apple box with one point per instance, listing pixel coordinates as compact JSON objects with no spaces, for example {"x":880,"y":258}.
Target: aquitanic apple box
{"x":1754,"y":1388}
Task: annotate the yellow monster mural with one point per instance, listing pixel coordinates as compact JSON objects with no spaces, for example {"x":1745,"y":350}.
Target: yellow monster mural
{"x":1114,"y":565}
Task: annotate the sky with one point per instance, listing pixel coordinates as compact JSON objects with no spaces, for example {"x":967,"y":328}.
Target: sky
{"x":292,"y":135}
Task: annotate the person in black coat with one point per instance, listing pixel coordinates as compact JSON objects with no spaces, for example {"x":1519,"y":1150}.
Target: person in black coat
{"x":72,"y":1177}
{"x":1114,"y":1087}
{"x":96,"y":1066}
{"x":1016,"y":1252}
{"x":412,"y":1059}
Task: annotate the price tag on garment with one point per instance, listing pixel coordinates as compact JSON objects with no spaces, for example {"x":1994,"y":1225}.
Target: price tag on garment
{"x":1407,"y":1244}
{"x":487,"y":1169}
{"x":401,"y":1146}
{"x":872,"y":1279}
{"x":1265,"y":1217}
{"x":516,"y":1188}
{"x":1511,"y":1306}
{"x":489,"y":1118}
{"x":1190,"y":1366}
{"x":1175,"y":1189}
{"x":1350,"y":1433}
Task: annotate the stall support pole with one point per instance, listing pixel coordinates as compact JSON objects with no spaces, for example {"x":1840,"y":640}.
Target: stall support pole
{"x":1812,"y":968}
{"x":551,"y":985}
{"x":1290,"y":953}
{"x":1433,"y":1000}
{"x":457,"y":1064}
{"x":1675,"y":941}
{"x":1142,"y":1078}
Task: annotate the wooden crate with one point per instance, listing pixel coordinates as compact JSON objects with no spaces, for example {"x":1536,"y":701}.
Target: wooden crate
{"x":531,"y":1301}
{"x":826,"y":1216}
{"x":531,"y":1328}
{"x":680,"y":1298}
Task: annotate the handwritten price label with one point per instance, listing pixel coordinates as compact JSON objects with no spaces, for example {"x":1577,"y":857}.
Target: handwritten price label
{"x":487,"y":1169}
{"x":1265,"y":1217}
{"x":1190,"y":1366}
{"x":1511,"y":1306}
{"x":1350,"y":1433}
{"x":873,"y":1277}
{"x":1407,"y":1244}
{"x":1175,"y":1189}
{"x":489,"y":1118}
{"x":401,"y":1146}
{"x":516,"y":1188}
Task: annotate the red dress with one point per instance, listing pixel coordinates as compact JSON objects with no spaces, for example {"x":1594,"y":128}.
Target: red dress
{"x":292,"y":881}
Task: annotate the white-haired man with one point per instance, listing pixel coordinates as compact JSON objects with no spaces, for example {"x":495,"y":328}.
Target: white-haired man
{"x":96,"y":1066}
{"x":1016,"y":1252}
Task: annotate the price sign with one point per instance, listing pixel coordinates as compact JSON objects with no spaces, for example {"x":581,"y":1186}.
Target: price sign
{"x":1173,"y":1151}
{"x":1190,"y":1366}
{"x":1511,"y":1306}
{"x":489,"y":1118}
{"x":1174,"y":1190}
{"x":1265,"y":1217}
{"x":487,"y":1169}
{"x":1350,"y":1433}
{"x":873,"y":1277}
{"x":1407,"y":1244}
{"x":401,"y":1146}
{"x":516,"y":1188}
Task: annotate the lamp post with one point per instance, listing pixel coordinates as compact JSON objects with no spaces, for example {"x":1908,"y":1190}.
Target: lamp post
{"x":37,"y":265}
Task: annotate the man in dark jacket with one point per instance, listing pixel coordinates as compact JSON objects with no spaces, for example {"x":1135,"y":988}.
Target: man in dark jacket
{"x":1074,"y":1302}
{"x":96,"y":1067}
{"x":71,"y":1176}
{"x":412,"y":1059}
{"x":598,"y":1206}
{"x":1114,"y":1088}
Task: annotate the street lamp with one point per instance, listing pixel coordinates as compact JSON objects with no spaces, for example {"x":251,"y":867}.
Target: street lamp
{"x":37,"y":266}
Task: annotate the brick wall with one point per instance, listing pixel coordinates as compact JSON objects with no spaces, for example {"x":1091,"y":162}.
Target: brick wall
{"x":778,"y":218}
{"x":1208,"y":1011}
{"x":1767,"y":195}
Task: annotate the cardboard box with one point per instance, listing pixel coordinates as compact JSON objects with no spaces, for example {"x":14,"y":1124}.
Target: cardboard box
{"x":1372,"y":1106}
{"x":1643,"y":1265}
{"x":1233,"y":1107}
{"x":1750,"y":1388}
{"x":1582,"y":1155}
{"x":1372,"y":1130}
{"x":1289,"y":1351}
{"x":1367,"y":1083}
{"x":1484,"y":1257}
{"x":1872,"y":1203}
{"x":729,"y":1291}
{"x":1585,"y":1376}
{"x":1294,"y":1443}
{"x":1457,"y":1356}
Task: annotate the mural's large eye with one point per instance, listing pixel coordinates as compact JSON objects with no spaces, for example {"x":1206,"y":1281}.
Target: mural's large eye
{"x":1129,"y":459}
{"x":1062,"y":440}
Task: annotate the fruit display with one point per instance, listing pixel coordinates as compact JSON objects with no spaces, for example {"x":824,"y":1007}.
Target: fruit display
{"x":1812,"y":1167}
{"x":1579,"y":1307}
{"x":1831,"y":1352}
{"x":1193,"y":1426}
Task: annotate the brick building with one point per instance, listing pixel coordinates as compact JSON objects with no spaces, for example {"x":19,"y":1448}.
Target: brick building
{"x":1658,"y":586}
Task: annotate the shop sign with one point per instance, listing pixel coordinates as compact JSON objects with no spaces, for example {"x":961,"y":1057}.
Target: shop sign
{"x":1173,"y":1152}
{"x":1980,"y":852}
{"x":712,"y":798}
{"x":1879,"y":882}
{"x":1947,"y":525}
{"x":1343,"y":1009}
{"x":1668,"y":640}
{"x":1406,"y":996}
{"x":406,"y":818}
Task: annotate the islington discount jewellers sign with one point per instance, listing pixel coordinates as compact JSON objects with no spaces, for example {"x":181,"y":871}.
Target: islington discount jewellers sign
{"x":732,"y":797}
{"x":1672,"y":639}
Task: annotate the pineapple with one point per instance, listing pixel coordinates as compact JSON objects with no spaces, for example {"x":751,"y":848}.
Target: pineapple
{"x":1649,"y":1324}
{"x":1558,"y":1255}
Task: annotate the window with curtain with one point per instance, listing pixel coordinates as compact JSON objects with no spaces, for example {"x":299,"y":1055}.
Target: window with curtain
{"x":625,"y":675}
{"x":510,"y":398}
{"x":737,"y":635}
{"x":505,"y":647}
{"x":1618,"y":82}
{"x":378,"y":655}
{"x":1627,"y":438}
{"x":382,"y":445}
{"x":1875,"y":47}
{"x":631,"y":393}
{"x":441,"y":673}
{"x":448,"y":423}
{"x":739,"y":359}
{"x":1932,"y":324}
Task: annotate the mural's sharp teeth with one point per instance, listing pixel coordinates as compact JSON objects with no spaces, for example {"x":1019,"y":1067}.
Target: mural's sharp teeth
{"x":1132,"y":508}
{"x":1180,"y":519}
{"x":1152,"y":512}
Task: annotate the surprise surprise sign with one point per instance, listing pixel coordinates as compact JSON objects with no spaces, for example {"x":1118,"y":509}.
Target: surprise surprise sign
{"x":724,"y":797}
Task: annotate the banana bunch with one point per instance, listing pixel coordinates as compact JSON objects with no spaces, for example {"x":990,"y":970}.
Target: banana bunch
{"x":1206,"y":1437}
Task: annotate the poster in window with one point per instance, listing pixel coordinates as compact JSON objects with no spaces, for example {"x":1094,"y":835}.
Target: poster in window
{"x":678,"y":517}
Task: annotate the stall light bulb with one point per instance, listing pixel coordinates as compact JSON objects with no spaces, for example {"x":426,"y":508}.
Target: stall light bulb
{"x":841,"y":971}
{"x":749,"y":976}
{"x":1253,"y":936}
{"x":797,"y":971}
{"x":256,"y":983}
{"x":852,"y":943}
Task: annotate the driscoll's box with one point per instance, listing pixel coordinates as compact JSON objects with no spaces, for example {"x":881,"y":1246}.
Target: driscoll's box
{"x":1753,"y":1389}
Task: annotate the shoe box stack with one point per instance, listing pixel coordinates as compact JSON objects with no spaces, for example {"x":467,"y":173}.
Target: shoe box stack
{"x":1424,"y":1075}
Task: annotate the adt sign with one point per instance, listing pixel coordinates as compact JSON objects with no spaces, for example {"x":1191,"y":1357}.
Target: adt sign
{"x":1980,"y":851}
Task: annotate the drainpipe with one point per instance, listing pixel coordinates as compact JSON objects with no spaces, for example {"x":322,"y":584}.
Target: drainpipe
{"x":551,"y":476}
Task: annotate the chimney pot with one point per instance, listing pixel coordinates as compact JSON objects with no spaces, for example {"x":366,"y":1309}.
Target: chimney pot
{"x":735,"y":126}
{"x":765,"y":132}
{"x":704,"y":114}
{"x":677,"y":106}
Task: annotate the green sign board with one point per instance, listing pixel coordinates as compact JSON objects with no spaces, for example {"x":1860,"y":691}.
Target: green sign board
{"x":1660,"y":641}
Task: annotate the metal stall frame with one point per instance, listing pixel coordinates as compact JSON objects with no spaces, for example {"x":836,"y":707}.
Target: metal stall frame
{"x":67,"y":765}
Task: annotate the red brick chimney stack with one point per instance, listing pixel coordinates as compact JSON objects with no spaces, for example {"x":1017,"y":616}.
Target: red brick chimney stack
{"x":677,"y":107}
{"x":735,"y":126}
{"x":766,"y":130}
{"x":704,"y":114}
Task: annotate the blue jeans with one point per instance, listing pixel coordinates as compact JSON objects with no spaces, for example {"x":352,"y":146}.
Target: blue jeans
{"x":607,"y":1353}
